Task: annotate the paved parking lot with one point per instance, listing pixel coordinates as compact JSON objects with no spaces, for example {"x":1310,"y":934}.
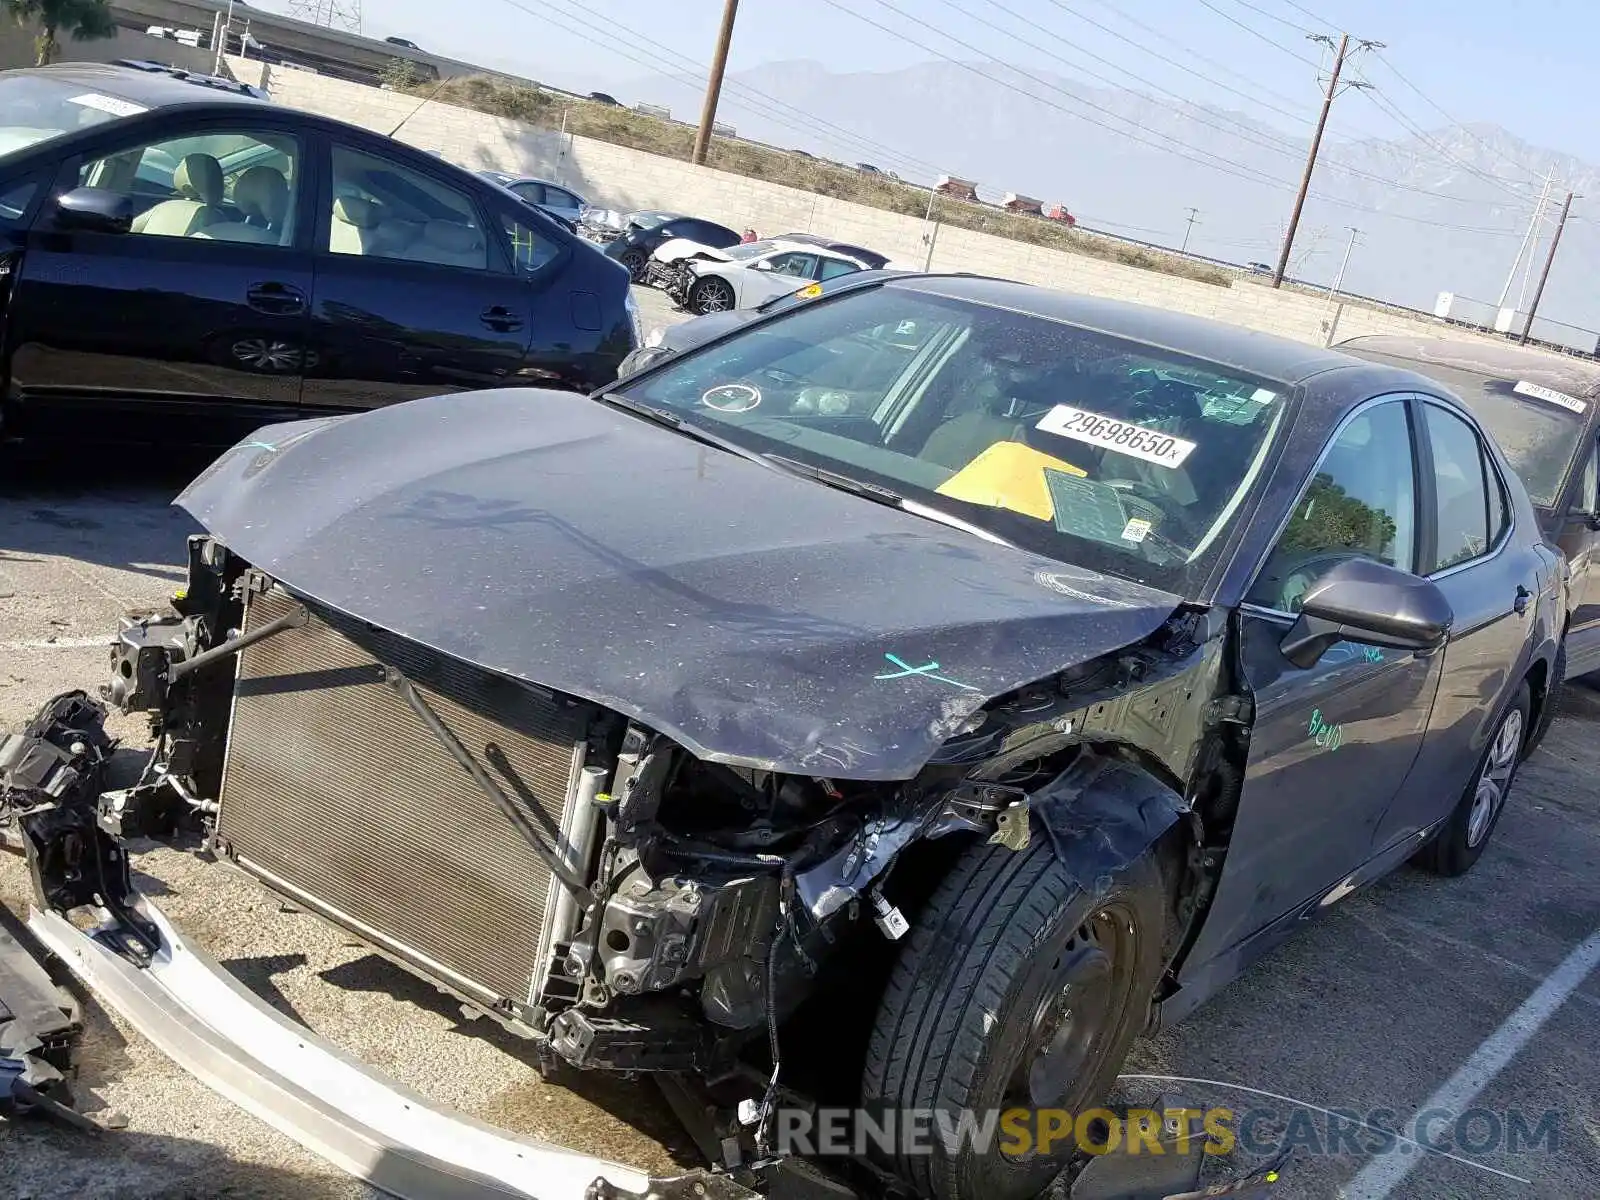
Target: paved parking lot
{"x":1398,"y":992}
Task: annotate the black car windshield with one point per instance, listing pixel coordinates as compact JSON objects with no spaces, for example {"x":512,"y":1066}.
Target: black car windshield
{"x":1091,"y":449}
{"x":34,"y":110}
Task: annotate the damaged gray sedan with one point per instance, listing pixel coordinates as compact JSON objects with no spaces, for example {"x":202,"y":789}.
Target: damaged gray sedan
{"x":962,"y":676}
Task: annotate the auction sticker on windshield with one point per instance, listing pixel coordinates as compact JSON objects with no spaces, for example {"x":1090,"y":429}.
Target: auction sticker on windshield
{"x":1540,"y":392}
{"x":114,"y":105}
{"x":1122,"y":436}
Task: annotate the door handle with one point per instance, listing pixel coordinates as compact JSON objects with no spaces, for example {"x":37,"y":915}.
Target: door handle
{"x":278,"y":299}
{"x":500,"y":319}
{"x":1520,"y":604}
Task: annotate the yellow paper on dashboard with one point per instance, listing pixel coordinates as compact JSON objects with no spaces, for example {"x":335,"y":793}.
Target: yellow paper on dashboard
{"x":1009,"y":475}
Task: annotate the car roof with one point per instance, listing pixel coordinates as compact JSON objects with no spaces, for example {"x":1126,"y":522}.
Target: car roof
{"x":152,"y":89}
{"x":1261,"y":354}
{"x":1574,"y":376}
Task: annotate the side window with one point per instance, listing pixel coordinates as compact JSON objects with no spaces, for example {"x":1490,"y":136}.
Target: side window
{"x":216,"y":186}
{"x":832,"y":268}
{"x":1462,"y":493}
{"x":801,"y":266}
{"x":382,"y":209}
{"x":560,"y":199}
{"x":14,"y":200}
{"x":533,"y":193}
{"x":1360,"y":503}
{"x":1588,"y":499}
{"x":530,"y":250}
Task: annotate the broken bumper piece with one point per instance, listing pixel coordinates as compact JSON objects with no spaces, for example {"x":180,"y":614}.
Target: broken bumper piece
{"x":281,"y":1072}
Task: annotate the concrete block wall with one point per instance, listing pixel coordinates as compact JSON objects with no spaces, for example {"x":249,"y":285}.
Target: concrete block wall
{"x":618,"y":177}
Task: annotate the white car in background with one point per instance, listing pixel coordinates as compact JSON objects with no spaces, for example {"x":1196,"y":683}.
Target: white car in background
{"x":705,"y":280}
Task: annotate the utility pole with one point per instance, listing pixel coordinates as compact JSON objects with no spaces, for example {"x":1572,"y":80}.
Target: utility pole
{"x":222,"y":41}
{"x":1544,"y":276}
{"x":1340,"y":54}
{"x":1527,"y":238}
{"x":1338,"y":280}
{"x":1194,"y":215}
{"x":719,"y":64}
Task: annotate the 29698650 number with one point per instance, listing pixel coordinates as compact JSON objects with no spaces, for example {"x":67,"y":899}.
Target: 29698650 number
{"x":1112,"y":434}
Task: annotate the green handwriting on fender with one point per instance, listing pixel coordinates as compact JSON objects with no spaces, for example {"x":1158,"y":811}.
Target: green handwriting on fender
{"x":1329,"y":737}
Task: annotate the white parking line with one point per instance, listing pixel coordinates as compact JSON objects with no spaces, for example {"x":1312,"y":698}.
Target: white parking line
{"x":58,"y":643}
{"x":1379,"y":1178}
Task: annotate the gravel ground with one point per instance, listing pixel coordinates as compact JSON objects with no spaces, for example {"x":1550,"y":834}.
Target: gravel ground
{"x":1374,"y":1006}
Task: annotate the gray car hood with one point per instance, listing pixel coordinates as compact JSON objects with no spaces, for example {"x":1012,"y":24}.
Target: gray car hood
{"x":757,"y":618}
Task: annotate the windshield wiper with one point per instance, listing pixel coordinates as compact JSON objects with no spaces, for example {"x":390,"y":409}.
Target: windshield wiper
{"x":671,"y":420}
{"x":883,"y":495}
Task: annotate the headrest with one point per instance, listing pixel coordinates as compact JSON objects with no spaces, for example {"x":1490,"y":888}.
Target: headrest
{"x":452,"y":236}
{"x":353,"y":210}
{"x":262,"y":192}
{"x":199,"y":177}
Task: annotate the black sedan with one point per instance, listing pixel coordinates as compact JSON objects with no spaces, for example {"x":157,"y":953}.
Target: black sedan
{"x":172,"y":250}
{"x":646,"y":231}
{"x":958,"y":663}
{"x":1544,"y":410}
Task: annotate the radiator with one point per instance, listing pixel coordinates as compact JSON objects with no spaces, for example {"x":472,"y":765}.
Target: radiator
{"x":335,"y":795}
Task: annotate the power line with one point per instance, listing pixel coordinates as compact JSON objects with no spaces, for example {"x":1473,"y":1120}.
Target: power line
{"x":1395,"y":71}
{"x":759,"y":103}
{"x":1306,"y":12}
{"x":1159,"y":57}
{"x":1272,"y":16}
{"x":1384,"y":105}
{"x":1254,"y":32}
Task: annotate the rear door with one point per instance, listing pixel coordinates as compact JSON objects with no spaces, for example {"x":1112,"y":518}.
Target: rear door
{"x":1490,"y":584}
{"x":1579,"y":539}
{"x":1332,"y":744}
{"x":415,"y":293}
{"x":200,"y":309}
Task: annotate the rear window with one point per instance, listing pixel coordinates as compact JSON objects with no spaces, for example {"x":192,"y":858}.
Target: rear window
{"x":34,"y":110}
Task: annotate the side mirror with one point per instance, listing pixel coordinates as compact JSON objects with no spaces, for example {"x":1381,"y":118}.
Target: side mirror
{"x":94,"y":210}
{"x":1368,"y":602}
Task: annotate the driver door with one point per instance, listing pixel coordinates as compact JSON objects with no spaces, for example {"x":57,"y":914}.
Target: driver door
{"x":1332,"y":744}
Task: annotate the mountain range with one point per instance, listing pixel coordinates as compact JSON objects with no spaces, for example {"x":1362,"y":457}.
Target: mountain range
{"x":1438,"y":210}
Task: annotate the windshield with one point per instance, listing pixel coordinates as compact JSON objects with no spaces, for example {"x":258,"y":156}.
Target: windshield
{"x":1538,"y":436}
{"x":33,"y":110}
{"x":648,"y":219}
{"x":1094,"y":450}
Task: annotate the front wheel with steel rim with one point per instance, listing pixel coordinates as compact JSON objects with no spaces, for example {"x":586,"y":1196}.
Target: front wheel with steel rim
{"x":710,"y":296}
{"x":1015,"y":990}
{"x":1467,"y":831}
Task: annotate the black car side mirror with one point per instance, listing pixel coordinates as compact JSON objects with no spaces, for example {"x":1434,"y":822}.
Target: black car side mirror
{"x":1369,"y":602}
{"x":94,"y":210}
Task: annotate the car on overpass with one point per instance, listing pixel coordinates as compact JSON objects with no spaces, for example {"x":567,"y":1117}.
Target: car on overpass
{"x":980,"y":673}
{"x":175,"y":251}
{"x":1544,"y":410}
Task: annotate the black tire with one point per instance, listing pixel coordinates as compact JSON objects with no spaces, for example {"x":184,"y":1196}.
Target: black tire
{"x":1466,"y":834}
{"x":963,"y":1007}
{"x":1552,"y":697}
{"x":636,"y":262}
{"x":709,"y":296}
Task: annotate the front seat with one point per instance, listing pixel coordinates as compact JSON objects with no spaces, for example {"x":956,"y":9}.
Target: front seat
{"x":198,"y":182}
{"x":355,"y":226}
{"x":262,"y":195}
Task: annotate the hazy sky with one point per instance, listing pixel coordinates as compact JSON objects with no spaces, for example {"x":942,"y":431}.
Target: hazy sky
{"x":1520,"y":66}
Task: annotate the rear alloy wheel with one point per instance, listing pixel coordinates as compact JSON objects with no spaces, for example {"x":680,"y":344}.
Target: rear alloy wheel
{"x":710,"y":296}
{"x":1015,"y":989}
{"x":636,"y":262}
{"x":1465,"y":835}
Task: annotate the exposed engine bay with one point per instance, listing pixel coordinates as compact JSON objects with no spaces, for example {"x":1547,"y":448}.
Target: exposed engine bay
{"x":576,"y":875}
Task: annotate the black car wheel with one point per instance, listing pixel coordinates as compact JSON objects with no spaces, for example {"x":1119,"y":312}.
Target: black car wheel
{"x":1465,"y":835}
{"x":635,"y":261}
{"x":1015,"y":989}
{"x":711,"y":295}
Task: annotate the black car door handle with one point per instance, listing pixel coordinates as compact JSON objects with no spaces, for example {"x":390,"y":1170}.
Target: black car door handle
{"x":279,"y":299}
{"x":1520,"y":604}
{"x":500,"y":319}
